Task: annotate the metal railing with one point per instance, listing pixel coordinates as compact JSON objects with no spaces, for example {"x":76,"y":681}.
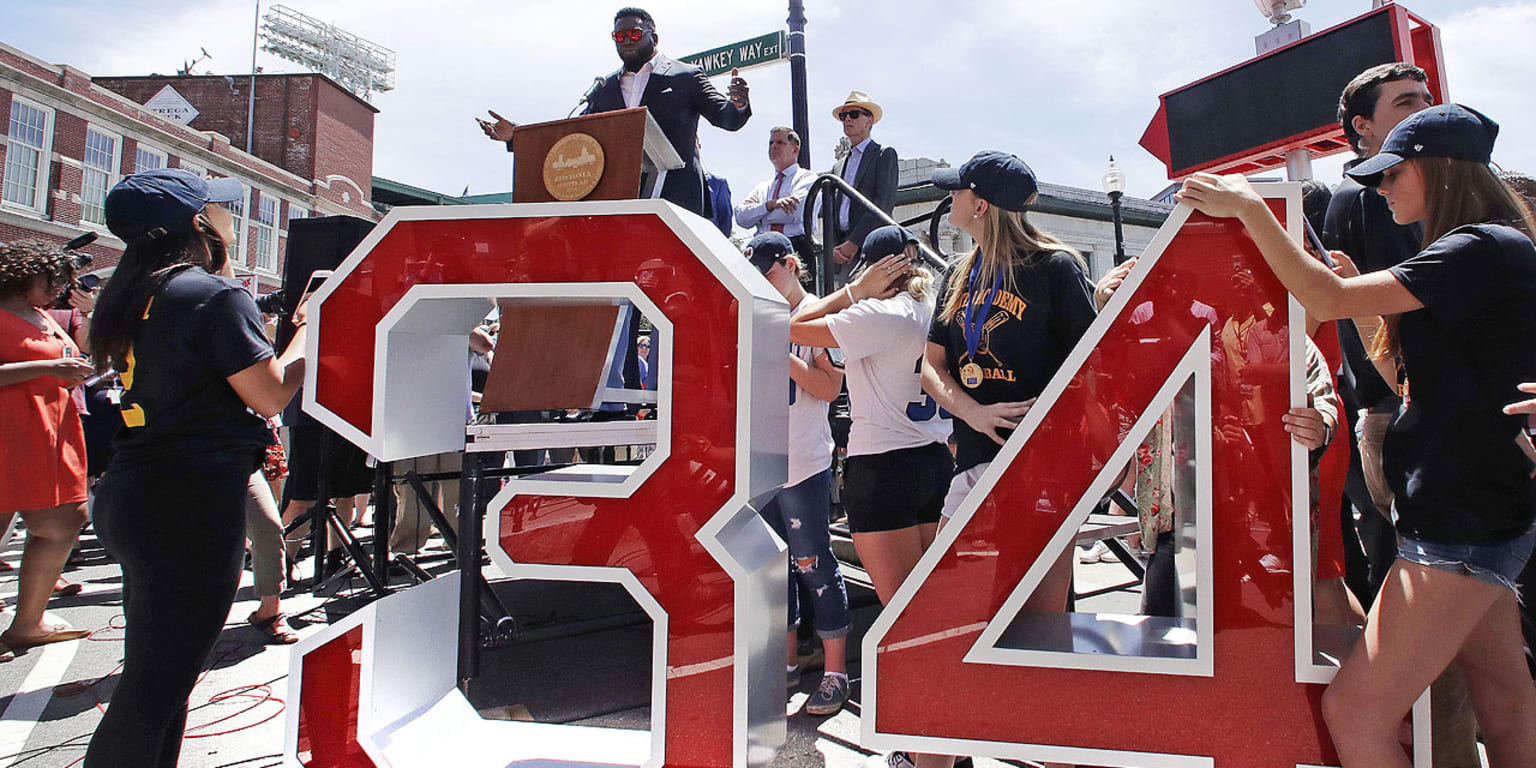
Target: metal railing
{"x":839,"y":188}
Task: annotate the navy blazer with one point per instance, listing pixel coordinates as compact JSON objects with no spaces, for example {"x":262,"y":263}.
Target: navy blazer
{"x":677,"y":95}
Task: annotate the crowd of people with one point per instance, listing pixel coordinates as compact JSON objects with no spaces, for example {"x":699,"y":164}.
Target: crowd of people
{"x":1431,"y":273}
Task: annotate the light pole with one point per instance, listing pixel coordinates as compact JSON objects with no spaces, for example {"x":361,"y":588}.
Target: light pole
{"x":1114,"y":186}
{"x":800,"y":112}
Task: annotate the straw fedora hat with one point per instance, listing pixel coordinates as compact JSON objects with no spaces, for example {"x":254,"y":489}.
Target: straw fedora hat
{"x":859,"y":99}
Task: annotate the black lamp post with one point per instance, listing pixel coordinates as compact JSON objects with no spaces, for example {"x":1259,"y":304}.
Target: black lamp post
{"x":1114,"y":186}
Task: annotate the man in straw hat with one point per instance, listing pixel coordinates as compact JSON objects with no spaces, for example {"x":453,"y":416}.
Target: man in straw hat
{"x":871,"y":169}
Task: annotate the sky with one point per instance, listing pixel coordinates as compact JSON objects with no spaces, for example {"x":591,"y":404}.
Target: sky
{"x":1062,"y":84}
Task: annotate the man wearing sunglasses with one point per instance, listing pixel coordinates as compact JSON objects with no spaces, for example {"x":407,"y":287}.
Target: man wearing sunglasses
{"x":872,"y":170}
{"x":677,"y":95}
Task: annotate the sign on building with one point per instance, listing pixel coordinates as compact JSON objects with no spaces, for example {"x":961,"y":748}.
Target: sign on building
{"x":764,"y":49}
{"x":172,"y":106}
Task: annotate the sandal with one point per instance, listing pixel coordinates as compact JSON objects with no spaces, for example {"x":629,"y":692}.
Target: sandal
{"x":274,"y":628}
{"x":58,"y":633}
{"x":66,"y":588}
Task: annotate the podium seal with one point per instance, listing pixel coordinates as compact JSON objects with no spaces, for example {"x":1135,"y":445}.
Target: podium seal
{"x":573,"y":167}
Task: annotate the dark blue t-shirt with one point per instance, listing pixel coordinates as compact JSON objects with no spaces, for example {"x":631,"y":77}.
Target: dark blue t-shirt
{"x":1026,"y":336}
{"x":197,"y":331}
{"x":1451,"y":455}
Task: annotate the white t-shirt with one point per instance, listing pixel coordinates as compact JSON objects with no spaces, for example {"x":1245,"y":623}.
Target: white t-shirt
{"x":810,"y":434}
{"x":882,"y":342}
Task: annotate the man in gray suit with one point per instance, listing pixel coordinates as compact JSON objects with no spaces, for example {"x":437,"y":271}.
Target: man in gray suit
{"x":871,"y":169}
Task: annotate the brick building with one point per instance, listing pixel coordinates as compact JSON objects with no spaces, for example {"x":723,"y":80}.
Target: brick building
{"x":66,"y":138}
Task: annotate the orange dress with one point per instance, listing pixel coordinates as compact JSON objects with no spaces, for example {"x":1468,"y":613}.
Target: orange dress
{"x":42,"y":446}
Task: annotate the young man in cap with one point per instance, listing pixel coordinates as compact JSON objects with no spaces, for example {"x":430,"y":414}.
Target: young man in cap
{"x":869,"y":168}
{"x":677,"y":94}
{"x":775,"y":205}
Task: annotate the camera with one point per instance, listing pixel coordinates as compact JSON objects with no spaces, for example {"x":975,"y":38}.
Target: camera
{"x":81,"y":261}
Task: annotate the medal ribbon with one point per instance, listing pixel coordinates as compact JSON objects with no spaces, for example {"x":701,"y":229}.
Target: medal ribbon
{"x":970,"y":322}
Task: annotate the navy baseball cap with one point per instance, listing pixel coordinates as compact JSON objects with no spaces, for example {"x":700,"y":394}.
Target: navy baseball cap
{"x":1444,"y":130}
{"x":887,"y":240}
{"x":163,"y":201}
{"x":999,"y":178}
{"x":766,"y":249}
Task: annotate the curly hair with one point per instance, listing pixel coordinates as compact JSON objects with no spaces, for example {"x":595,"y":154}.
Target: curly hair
{"x":24,"y":261}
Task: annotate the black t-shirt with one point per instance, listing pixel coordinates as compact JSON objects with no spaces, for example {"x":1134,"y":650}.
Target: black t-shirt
{"x":198,"y":330}
{"x":1360,"y":224}
{"x":1024,"y":339}
{"x":1451,"y":455}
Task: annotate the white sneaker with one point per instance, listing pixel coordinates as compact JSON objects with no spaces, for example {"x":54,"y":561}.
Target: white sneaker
{"x":1098,"y":553}
{"x":892,"y":760}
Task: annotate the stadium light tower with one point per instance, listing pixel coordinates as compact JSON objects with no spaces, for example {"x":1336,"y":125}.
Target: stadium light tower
{"x":358,"y":65}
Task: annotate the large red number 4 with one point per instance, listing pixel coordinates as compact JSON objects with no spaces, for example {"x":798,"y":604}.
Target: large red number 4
{"x":954,"y":668}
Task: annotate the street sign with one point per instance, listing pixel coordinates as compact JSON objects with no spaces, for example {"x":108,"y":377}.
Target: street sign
{"x":760,"y":50}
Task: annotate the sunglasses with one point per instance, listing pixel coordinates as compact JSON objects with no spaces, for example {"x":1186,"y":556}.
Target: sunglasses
{"x":852,"y":113}
{"x":632,"y":35}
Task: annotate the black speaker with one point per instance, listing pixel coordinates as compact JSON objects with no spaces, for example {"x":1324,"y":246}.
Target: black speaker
{"x":318,"y":243}
{"x":321,"y":242}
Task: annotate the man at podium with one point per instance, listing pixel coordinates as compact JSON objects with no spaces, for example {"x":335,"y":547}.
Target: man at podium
{"x":677,"y":95}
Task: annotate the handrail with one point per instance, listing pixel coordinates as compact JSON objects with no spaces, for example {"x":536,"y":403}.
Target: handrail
{"x":933,"y":217}
{"x":829,"y":224}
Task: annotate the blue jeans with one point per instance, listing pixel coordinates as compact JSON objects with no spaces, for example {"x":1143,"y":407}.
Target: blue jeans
{"x":1499,"y":564}
{"x":799,"y":515}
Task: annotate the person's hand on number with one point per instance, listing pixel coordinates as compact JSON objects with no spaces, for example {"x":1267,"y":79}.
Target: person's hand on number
{"x":1111,"y":281}
{"x":1223,"y":197}
{"x":1306,"y":426}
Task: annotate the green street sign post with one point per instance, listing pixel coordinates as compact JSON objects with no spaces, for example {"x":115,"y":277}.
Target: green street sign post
{"x":760,"y":50}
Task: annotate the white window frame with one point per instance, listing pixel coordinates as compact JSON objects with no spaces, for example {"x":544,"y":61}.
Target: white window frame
{"x":304,"y":213}
{"x":241,"y":255}
{"x":44,"y":159}
{"x":265,"y":250}
{"x":145,"y":149}
{"x":193,"y":168}
{"x":113,"y":173}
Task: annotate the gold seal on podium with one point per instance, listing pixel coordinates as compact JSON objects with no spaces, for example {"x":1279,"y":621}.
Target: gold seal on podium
{"x":573,"y":167}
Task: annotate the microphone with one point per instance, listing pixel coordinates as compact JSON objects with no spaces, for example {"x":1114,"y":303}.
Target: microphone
{"x":586,"y":98}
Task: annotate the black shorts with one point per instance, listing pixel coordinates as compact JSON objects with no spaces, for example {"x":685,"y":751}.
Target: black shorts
{"x":896,"y":489}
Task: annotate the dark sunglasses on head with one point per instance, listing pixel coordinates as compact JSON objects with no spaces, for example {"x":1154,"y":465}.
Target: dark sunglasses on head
{"x":851,"y":114}
{"x":633,"y":35}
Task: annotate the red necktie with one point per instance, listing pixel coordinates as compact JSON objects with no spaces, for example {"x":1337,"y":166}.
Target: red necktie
{"x":777,"y":181}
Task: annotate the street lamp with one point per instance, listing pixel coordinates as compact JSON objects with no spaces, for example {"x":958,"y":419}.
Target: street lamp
{"x":1114,"y":186}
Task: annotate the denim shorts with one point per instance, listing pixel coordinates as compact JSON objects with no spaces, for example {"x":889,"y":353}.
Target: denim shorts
{"x":1499,"y":563}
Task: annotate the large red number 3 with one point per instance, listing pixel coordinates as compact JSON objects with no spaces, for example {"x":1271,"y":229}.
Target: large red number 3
{"x":1234,"y":685}
{"x":678,"y":531}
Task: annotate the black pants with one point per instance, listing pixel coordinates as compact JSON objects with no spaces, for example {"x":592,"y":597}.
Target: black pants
{"x":178,"y":528}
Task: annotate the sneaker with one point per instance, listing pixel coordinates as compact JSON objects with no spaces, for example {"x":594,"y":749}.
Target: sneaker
{"x":793,"y":675}
{"x":893,"y":760}
{"x":829,"y":696}
{"x":1098,"y":553}
{"x":811,"y":655}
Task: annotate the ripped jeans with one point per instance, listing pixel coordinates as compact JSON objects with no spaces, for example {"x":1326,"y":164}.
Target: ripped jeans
{"x":799,"y":515}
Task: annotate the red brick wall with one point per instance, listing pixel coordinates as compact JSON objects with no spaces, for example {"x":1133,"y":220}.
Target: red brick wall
{"x":344,"y":140}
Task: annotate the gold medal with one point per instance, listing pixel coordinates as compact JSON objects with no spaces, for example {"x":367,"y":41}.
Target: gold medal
{"x":970,"y":375}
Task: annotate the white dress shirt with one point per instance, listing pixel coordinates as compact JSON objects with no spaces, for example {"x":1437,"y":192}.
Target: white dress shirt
{"x":632,"y":84}
{"x":793,"y":181}
{"x":851,"y":174}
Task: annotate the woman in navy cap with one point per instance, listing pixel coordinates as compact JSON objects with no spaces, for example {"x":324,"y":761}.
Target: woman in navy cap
{"x":898,"y":465}
{"x":1010,"y":312}
{"x":197,"y":370}
{"x":1459,"y":320}
{"x":800,"y":512}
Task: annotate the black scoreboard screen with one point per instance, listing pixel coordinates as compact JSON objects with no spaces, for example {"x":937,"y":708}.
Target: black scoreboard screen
{"x":1274,"y":98}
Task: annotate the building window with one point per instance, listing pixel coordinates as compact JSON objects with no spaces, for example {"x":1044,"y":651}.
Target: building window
{"x":237,"y":211}
{"x":295,"y":212}
{"x":147,"y":159}
{"x":98,"y":174}
{"x":26,"y":157}
{"x":266,"y":233}
{"x":194,"y":170}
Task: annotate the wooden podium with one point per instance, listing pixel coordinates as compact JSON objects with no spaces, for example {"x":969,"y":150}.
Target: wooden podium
{"x":560,"y":354}
{"x":632,"y":155}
